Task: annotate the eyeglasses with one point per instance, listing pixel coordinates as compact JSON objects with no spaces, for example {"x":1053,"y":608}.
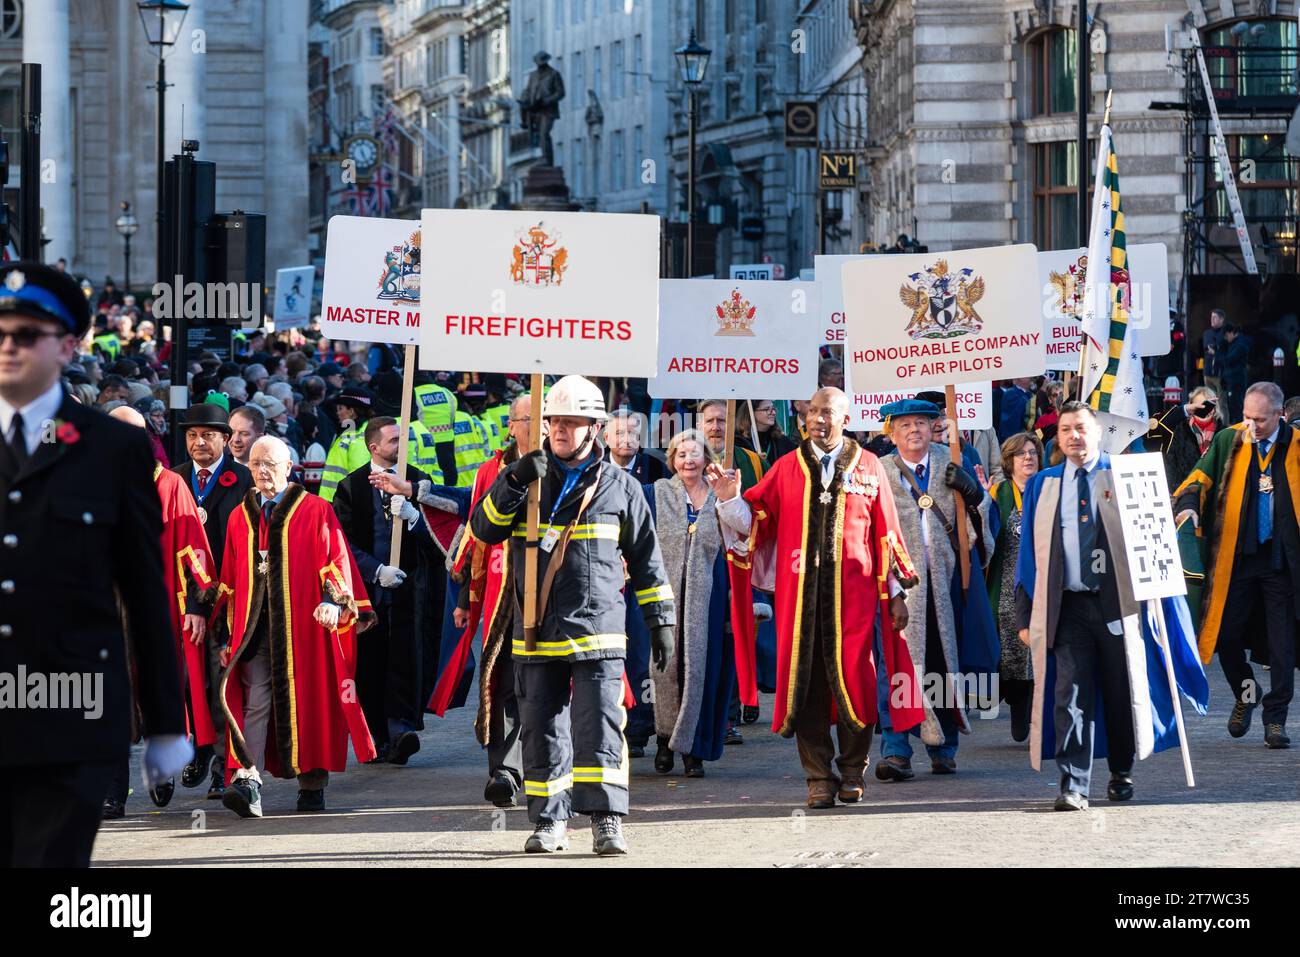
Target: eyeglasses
{"x":26,"y":337}
{"x":527,"y":418}
{"x":265,"y":465}
{"x":1029,"y":453}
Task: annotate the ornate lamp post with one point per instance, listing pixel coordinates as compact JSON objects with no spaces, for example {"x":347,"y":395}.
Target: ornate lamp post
{"x":693,"y":63}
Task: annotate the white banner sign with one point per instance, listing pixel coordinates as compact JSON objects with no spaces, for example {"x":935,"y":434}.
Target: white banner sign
{"x":827,"y":270}
{"x":372,"y":280}
{"x":1150,"y":537}
{"x":520,"y":291}
{"x":736,"y":340}
{"x":949,"y":317}
{"x":974,"y":405}
{"x":1061,"y":276}
{"x":293,"y":290}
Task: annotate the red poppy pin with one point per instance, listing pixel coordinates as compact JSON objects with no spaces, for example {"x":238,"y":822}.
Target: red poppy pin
{"x":227,"y":479}
{"x":67,"y":433}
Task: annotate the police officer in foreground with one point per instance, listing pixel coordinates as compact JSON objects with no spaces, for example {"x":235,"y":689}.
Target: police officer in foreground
{"x":80,"y":523}
{"x":569,"y":676}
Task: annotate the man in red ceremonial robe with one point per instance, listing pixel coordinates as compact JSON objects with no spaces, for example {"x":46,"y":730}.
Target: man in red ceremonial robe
{"x":190,"y":585}
{"x":290,"y":605}
{"x":822,"y":521}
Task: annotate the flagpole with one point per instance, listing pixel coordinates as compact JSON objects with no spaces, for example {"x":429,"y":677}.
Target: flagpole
{"x":1173,"y":691}
{"x":1082,"y":44}
{"x":1086,"y":229}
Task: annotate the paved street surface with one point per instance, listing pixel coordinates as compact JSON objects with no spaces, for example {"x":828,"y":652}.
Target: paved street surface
{"x":1245,"y":809}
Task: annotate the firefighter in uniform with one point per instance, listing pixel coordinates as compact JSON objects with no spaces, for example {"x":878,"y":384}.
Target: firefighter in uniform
{"x":348,"y":453}
{"x":569,"y":676}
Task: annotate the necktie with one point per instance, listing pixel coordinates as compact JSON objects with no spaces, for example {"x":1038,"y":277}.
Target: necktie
{"x":204,"y":475}
{"x":18,"y":444}
{"x":1264,"y":503}
{"x":826,"y":467}
{"x":1087,"y":534}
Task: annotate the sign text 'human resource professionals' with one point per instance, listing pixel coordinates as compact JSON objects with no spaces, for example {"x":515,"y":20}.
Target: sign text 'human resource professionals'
{"x":520,"y":291}
{"x":736,"y":339}
{"x":372,"y":280}
{"x":962,"y":316}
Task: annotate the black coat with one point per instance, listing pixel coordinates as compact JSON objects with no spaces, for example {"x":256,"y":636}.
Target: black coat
{"x":220,"y":502}
{"x":80,"y":526}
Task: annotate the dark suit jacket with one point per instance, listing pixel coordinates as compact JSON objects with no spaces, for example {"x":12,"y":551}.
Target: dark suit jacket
{"x":79,"y":527}
{"x":1110,"y":597}
{"x":220,"y":502}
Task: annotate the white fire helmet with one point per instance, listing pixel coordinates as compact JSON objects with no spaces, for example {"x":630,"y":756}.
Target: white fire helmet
{"x":575,"y":396}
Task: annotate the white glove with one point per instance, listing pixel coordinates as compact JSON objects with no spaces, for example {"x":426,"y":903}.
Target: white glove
{"x":762,"y":611}
{"x":164,"y":757}
{"x":390,"y":576}
{"x":401,"y":508}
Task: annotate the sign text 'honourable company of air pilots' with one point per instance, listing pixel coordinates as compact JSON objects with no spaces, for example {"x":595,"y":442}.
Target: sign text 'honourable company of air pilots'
{"x":950,"y":317}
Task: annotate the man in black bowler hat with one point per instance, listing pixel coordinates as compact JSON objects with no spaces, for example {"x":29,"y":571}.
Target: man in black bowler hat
{"x":218,"y":484}
{"x":80,"y":523}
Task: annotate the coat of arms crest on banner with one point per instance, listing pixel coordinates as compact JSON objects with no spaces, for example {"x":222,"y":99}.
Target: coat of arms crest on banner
{"x":538,"y":259}
{"x":942,"y":302}
{"x":401,"y":279}
{"x":736,"y":316}
{"x":1069,"y":287}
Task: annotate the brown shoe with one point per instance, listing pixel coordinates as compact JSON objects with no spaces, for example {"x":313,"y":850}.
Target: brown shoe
{"x":851,"y":789}
{"x":821,"y":794}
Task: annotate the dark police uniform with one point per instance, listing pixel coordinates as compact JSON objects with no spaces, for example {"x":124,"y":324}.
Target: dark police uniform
{"x":80,"y":522}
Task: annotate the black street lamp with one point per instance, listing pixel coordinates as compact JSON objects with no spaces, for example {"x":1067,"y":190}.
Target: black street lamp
{"x":127,"y":225}
{"x":693,"y":62}
{"x":162,"y":21}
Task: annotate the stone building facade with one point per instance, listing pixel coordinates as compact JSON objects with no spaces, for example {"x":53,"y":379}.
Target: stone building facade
{"x":239,"y":77}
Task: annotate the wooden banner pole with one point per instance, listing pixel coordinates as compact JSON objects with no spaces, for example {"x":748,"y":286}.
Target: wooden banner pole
{"x":954,"y":446}
{"x":1173,"y":693}
{"x":403,"y":444}
{"x":729,"y":452}
{"x":534,"y":507}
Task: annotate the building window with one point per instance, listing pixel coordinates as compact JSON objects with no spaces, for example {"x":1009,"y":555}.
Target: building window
{"x":557,"y":13}
{"x":638,"y":64}
{"x":376,"y":41}
{"x":1053,"y":73}
{"x":1256,"y":62}
{"x":1268,"y":195}
{"x":616,"y":68}
{"x":701,"y":22}
{"x":596,"y":63}
{"x":579,"y":10}
{"x":579,"y":76}
{"x":376,"y":99}
{"x":618,"y":174}
{"x":638,"y":149}
{"x":597,"y":162}
{"x":1056,"y":194}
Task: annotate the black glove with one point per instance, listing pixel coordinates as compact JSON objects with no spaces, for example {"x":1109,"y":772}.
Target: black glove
{"x":528,"y":469}
{"x":661,"y":645}
{"x":959,"y":480}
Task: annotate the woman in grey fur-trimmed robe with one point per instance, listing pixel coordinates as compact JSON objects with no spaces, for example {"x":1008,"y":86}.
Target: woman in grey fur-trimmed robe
{"x":692,"y":697}
{"x":929,"y":489}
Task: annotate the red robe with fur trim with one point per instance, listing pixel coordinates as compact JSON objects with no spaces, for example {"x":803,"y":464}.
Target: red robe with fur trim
{"x":315,"y":705}
{"x":187,"y":568}
{"x":832,"y":551}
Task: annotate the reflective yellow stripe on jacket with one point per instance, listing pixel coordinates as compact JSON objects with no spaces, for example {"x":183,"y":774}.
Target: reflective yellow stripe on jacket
{"x":571,"y":646}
